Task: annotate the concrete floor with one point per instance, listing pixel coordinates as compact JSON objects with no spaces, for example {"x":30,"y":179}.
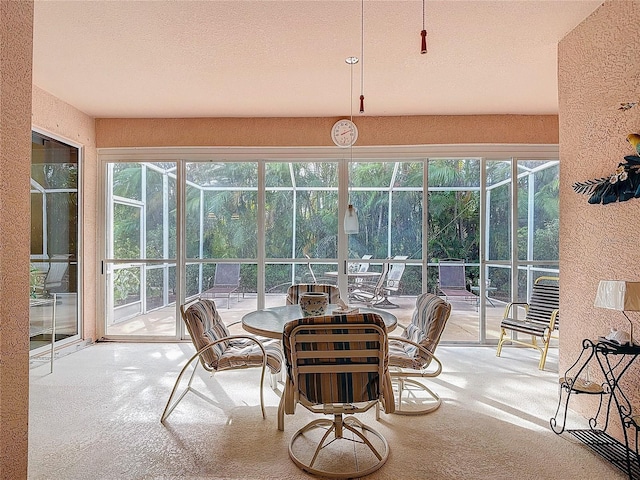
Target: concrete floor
{"x":97,"y":417}
{"x":463,"y":324}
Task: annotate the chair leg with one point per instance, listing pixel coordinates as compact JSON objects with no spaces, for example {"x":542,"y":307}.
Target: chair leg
{"x":503,"y":333}
{"x":170,"y":406}
{"x":264,"y":415}
{"x":427,"y":404}
{"x":385,"y":303}
{"x":281,"y":414}
{"x":545,"y":350}
{"x":273,"y":381}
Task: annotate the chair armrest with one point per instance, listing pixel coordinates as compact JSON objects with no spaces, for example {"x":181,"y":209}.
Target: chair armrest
{"x":552,"y":320}
{"x":507,"y":308}
{"x":423,"y":350}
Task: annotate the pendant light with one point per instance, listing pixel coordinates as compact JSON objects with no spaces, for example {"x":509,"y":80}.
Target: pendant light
{"x":423,"y":33}
{"x":351,"y":224}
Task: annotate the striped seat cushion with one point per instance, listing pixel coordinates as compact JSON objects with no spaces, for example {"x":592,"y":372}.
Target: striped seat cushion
{"x":335,"y":387}
{"x":294,"y":292}
{"x":205,"y":326}
{"x":427,"y":324}
{"x":245,"y":353}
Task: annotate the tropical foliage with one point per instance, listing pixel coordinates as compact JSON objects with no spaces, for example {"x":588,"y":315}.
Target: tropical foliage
{"x":301,"y":216}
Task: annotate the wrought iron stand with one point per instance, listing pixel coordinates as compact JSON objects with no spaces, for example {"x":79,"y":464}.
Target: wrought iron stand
{"x":612,"y":361}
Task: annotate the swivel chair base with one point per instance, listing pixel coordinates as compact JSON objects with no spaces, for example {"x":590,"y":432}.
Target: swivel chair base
{"x":328,"y":459}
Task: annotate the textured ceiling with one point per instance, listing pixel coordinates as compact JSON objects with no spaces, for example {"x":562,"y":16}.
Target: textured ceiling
{"x":287,"y":58}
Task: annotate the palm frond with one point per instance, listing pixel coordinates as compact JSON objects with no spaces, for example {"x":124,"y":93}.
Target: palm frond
{"x":627,"y":105}
{"x":589,"y":186}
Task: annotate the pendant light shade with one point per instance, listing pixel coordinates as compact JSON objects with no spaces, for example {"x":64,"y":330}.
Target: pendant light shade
{"x":351,"y":225}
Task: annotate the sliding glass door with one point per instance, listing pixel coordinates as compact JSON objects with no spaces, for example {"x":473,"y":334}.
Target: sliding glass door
{"x":139,"y":267}
{"x":300,"y":225}
{"x":54,"y":274}
{"x":454,"y":239}
{"x":241,"y":230}
{"x":389,"y":197}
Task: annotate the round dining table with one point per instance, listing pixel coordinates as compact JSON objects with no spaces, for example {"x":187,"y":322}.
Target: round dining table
{"x":270,"y":321}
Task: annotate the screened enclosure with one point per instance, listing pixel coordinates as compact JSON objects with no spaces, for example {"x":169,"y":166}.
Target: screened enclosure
{"x":170,"y":224}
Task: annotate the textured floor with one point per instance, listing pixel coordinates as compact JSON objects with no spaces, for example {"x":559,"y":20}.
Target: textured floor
{"x":462,"y":326}
{"x":97,"y":417}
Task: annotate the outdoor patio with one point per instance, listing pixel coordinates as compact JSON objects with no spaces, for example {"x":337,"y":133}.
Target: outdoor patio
{"x":462,"y":326}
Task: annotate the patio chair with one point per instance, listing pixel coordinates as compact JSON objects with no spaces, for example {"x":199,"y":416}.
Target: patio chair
{"x":370,"y":293}
{"x":58,"y":266}
{"x":452,"y":278}
{"x":294,"y":292}
{"x":542,"y":318}
{"x":337,"y":365}
{"x":411,"y":354}
{"x":226,"y":281}
{"x":392,"y":284}
{"x":363,"y":267}
{"x":218,"y":350}
{"x":311,"y":277}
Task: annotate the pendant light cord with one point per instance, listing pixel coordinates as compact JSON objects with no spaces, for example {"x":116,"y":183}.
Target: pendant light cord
{"x":351,"y":146}
{"x":351,"y":94}
{"x":423,"y":33}
{"x":361,"y":57}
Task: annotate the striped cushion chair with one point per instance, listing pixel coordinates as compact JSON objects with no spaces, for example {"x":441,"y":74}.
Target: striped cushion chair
{"x":411,"y":354}
{"x":217,"y":349}
{"x":337,"y":364}
{"x":294,"y":292}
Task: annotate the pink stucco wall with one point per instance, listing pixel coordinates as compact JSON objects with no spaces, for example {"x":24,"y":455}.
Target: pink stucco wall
{"x":409,"y":130}
{"x":599,"y":67}
{"x":16,"y":24}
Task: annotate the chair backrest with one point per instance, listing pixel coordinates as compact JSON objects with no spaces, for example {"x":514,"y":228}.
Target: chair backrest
{"x":338,"y":358}
{"x":395,"y":273}
{"x":451,"y":274}
{"x":363,"y":267}
{"x":294,"y":292}
{"x":380,"y":282}
{"x":227,"y":275}
{"x":427,"y":324}
{"x":205,"y":325}
{"x":57,"y":270}
{"x":545,"y":298}
{"x":311,"y":273}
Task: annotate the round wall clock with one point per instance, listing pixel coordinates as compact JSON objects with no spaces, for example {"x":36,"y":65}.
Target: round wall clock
{"x":344,"y":133}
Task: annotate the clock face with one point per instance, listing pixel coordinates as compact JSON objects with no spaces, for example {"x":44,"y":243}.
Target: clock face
{"x":344,"y":133}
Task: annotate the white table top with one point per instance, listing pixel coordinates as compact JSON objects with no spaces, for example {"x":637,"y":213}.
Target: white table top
{"x":270,"y":321}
